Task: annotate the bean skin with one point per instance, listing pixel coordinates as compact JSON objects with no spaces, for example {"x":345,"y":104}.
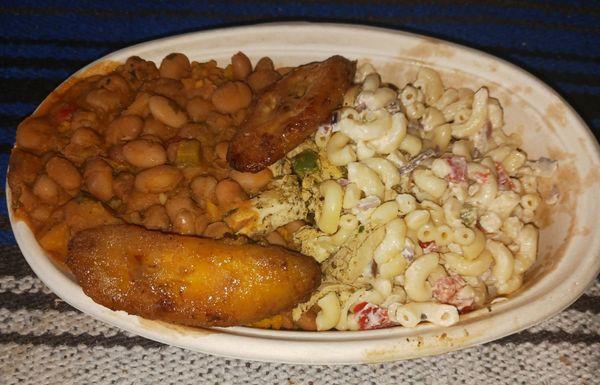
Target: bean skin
{"x":229,"y":194}
{"x":201,"y":223}
{"x":85,"y":137}
{"x":252,"y":182}
{"x":98,"y":179}
{"x":158,"y":129}
{"x":184,"y":215}
{"x":103,"y":100}
{"x":274,"y":238}
{"x":84,"y":118}
{"x":199,"y":109}
{"x":156,"y":218}
{"x":167,"y":111}
{"x":144,"y":154}
{"x":221,"y":150}
{"x":217,"y":230}
{"x":294,"y":226}
{"x":115,"y":83}
{"x":261,"y":79}
{"x":139,"y":106}
{"x":175,"y":66}
{"x":231,"y":97}
{"x":139,"y":201}
{"x":171,"y":89}
{"x":265,"y":63}
{"x":179,"y":203}
{"x":158,"y":179}
{"x":64,"y":173}
{"x":185,"y":222}
{"x":36,"y":134}
{"x":46,"y":189}
{"x":203,"y":189}
{"x":241,"y":66}
{"x":124,"y":128}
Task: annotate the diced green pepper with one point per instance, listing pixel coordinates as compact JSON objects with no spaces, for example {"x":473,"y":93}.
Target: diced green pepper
{"x":468,"y":215}
{"x":305,"y":162}
{"x":188,"y":153}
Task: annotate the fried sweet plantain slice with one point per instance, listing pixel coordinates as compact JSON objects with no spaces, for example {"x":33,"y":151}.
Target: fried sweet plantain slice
{"x":189,"y":280}
{"x":289,"y":112}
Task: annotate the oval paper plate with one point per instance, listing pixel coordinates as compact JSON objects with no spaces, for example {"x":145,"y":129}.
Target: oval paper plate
{"x":549,"y":127}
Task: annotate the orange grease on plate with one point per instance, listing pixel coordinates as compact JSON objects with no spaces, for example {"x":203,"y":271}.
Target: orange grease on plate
{"x":419,"y":346}
{"x":178,"y":329}
{"x":557,"y":112}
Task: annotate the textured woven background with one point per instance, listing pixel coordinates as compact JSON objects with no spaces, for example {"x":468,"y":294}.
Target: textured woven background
{"x":45,"y":341}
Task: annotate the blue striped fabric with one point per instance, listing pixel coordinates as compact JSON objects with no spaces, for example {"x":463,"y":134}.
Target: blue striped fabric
{"x":41,"y":44}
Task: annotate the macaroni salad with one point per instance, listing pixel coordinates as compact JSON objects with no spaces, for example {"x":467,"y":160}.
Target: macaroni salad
{"x":423,"y":207}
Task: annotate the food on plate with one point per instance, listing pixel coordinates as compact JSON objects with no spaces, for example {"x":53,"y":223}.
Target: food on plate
{"x":412,"y":199}
{"x":424,"y":208}
{"x":189,"y":280}
{"x":289,"y":112}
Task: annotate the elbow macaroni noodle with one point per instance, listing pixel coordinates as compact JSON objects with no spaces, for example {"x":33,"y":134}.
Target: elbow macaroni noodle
{"x":434,"y":212}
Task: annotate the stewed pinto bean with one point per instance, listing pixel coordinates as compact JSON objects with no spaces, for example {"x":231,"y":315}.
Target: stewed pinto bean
{"x":185,"y":216}
{"x":217,"y":230}
{"x":139,"y":106}
{"x":199,"y":108}
{"x":252,"y":183}
{"x":102,"y":100}
{"x":156,"y":218}
{"x":178,"y":203}
{"x":116,"y":83}
{"x":229,"y":194}
{"x":231,"y":97}
{"x":261,"y":79}
{"x":64,"y":173}
{"x":221,"y":150}
{"x":265,"y":63}
{"x":85,"y":137}
{"x":112,"y":92}
{"x":203,"y":189}
{"x":175,"y":66}
{"x":241,"y":66}
{"x":99,"y":179}
{"x":157,"y":128}
{"x":171,"y":89}
{"x":36,"y":134}
{"x":167,"y":111}
{"x":185,"y":222}
{"x":274,"y":238}
{"x":46,"y":189}
{"x":124,"y":128}
{"x":144,"y":153}
{"x":138,"y":201}
{"x":158,"y":179}
{"x":201,"y":223}
{"x":294,"y":226}
{"x":84,"y":118}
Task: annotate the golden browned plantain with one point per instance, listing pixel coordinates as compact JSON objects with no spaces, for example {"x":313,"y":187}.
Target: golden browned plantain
{"x":289,"y":112}
{"x":189,"y":280}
